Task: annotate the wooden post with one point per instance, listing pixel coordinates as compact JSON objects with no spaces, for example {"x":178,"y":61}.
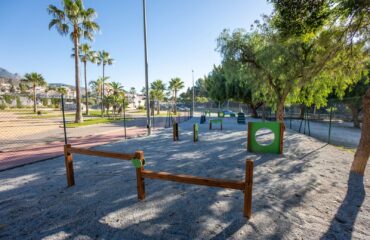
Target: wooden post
{"x":210,"y":124}
{"x":249,"y":142}
{"x":194,"y":137}
{"x":68,"y":161}
{"x":221,"y":124}
{"x":139,"y":178}
{"x":248,"y":188}
{"x":175,"y":129}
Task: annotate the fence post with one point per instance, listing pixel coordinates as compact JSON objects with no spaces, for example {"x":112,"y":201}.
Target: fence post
{"x":330,"y":118}
{"x":248,"y":189}
{"x":124,"y":117}
{"x":64,"y":120}
{"x":68,"y":160}
{"x":139,"y":178}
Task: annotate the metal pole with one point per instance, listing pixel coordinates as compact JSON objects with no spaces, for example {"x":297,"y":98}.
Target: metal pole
{"x":124,"y":117}
{"x":147,"y":100}
{"x":64,"y":121}
{"x":192,"y":114}
{"x":330,"y":118}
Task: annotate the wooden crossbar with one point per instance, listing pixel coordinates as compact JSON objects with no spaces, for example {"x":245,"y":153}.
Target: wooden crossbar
{"x":245,"y":185}
{"x":211,"y":182}
{"x":68,"y":158}
{"x":121,"y":156}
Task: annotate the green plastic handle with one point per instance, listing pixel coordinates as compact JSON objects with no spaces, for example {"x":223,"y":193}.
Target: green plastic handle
{"x":136,"y":163}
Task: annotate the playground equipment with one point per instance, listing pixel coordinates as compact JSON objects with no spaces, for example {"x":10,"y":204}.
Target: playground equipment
{"x":175,"y":131}
{"x":241,"y":118}
{"x":276,"y":146}
{"x":214,"y":121}
{"x":138,"y":161}
{"x":202,"y":119}
{"x":195,"y":132}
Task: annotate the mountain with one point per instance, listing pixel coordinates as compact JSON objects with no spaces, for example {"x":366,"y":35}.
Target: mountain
{"x":7,"y":75}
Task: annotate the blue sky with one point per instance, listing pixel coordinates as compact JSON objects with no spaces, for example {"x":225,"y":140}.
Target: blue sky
{"x":181,"y":37}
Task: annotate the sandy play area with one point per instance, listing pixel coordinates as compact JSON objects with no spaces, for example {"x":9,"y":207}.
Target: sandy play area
{"x":301,"y":194}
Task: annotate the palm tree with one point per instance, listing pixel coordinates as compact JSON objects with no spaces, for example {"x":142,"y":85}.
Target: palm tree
{"x":176,"y":84}
{"x":73,"y":16}
{"x":36,"y":80}
{"x":103,"y":58}
{"x":97,"y":87}
{"x":118,"y":93}
{"x":62,"y":90}
{"x":86,"y":55}
{"x":132,"y":93}
{"x":157,"y":91}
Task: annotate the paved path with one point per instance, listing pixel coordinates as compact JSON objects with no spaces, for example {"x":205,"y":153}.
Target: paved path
{"x":42,"y":152}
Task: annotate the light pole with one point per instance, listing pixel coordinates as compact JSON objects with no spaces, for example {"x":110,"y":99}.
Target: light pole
{"x":147,"y":99}
{"x":192,"y":112}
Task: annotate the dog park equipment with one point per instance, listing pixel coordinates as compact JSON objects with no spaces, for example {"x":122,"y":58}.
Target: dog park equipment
{"x":202,"y":119}
{"x":214,"y":121}
{"x":138,"y":161}
{"x":241,"y":118}
{"x":220,"y":114}
{"x":245,"y":185}
{"x":68,"y":158}
{"x":207,"y":111}
{"x":276,"y":146}
{"x":175,"y":131}
{"x":195,"y":132}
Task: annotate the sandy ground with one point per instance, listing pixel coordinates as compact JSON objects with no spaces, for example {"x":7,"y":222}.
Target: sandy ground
{"x":301,"y":194}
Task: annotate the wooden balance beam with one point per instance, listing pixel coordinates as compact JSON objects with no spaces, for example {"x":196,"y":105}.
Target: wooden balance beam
{"x":245,"y":185}
{"x":68,"y":158}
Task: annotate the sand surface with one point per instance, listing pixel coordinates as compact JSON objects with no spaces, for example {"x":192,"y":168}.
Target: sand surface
{"x":301,"y":194}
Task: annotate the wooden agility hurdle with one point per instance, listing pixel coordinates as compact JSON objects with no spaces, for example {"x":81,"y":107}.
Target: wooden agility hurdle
{"x":141,"y":174}
{"x":68,"y":158}
{"x":245,"y":185}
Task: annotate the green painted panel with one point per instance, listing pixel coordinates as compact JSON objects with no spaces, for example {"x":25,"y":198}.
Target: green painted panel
{"x":274,"y":147}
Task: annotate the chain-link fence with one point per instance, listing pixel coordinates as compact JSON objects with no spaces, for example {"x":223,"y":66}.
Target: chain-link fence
{"x":337,"y":123}
{"x":28,"y":134}
{"x":24,"y":125}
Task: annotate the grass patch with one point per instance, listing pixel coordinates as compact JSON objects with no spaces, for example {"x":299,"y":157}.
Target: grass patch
{"x":93,"y":121}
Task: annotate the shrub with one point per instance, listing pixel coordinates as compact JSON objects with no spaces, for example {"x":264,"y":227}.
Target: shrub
{"x":3,"y":106}
{"x":141,"y":108}
{"x":44,"y":102}
{"x":19,"y":102}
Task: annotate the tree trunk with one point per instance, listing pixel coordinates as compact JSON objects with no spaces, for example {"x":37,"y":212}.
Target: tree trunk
{"x":34,"y":99}
{"x":86,"y":101}
{"x":175,"y":103}
{"x":78,"y":117}
{"x":280,"y":111}
{"x":355,"y":113}
{"x":158,"y":108}
{"x":254,"y":111}
{"x":302,"y":107}
{"x":363,"y":149}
